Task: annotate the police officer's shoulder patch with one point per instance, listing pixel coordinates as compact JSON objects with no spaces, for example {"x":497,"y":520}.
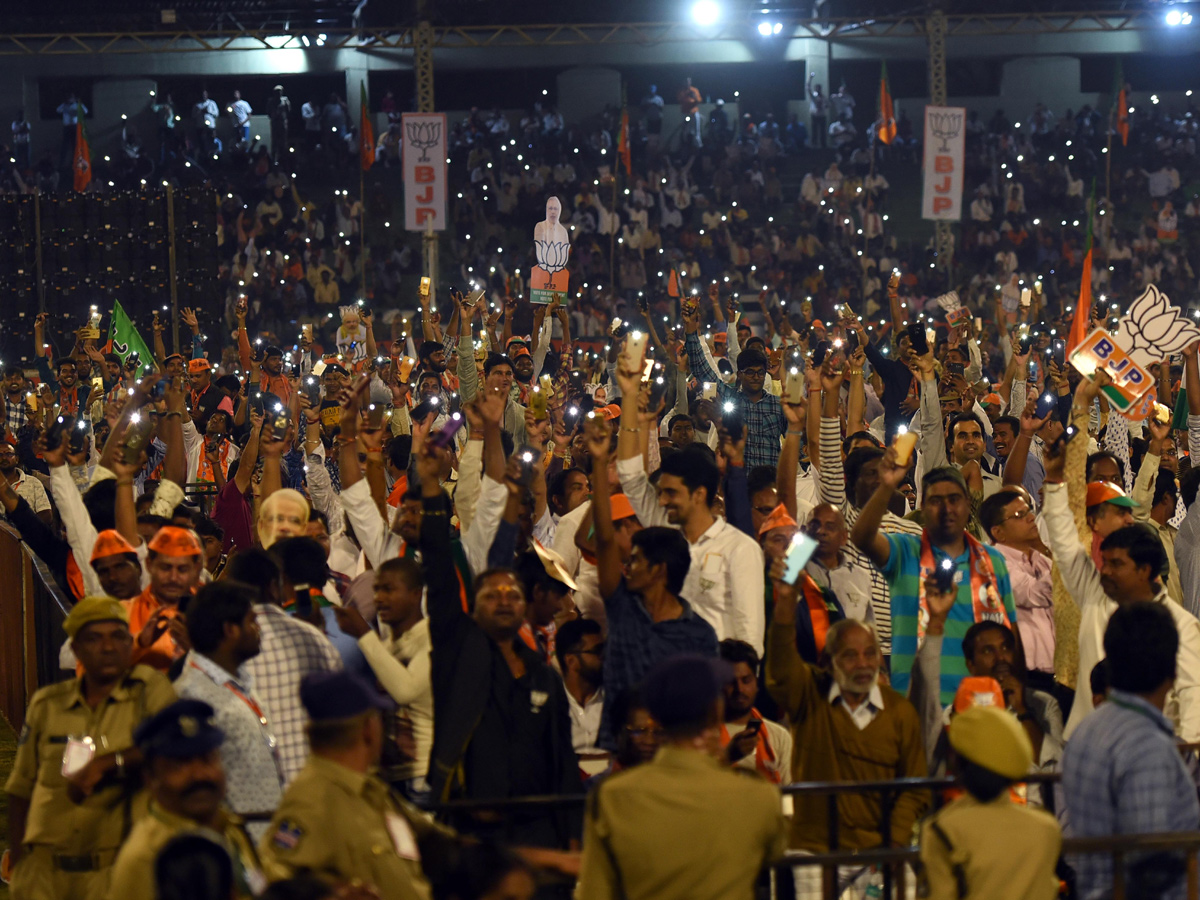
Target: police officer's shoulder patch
{"x":288,"y":835}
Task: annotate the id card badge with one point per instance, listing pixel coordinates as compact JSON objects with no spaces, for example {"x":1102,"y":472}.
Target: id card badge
{"x":77,"y":755}
{"x":402,"y":836}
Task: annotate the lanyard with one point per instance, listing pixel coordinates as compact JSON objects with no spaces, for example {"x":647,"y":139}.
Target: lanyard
{"x":272,"y":744}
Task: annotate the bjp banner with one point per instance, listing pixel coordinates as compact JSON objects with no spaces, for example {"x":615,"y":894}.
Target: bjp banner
{"x":945,"y":138}
{"x":424,"y":165}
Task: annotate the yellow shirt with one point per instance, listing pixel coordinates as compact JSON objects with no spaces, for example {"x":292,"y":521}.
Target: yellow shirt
{"x":342,"y":825}
{"x":58,"y":712}
{"x":133,"y":872}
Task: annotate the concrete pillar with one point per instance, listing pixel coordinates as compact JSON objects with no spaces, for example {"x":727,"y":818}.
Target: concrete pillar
{"x":816,"y":63}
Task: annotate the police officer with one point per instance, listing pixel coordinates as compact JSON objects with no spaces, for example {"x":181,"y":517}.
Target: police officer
{"x":182,"y":765}
{"x":982,"y":846}
{"x":68,"y":827}
{"x":337,"y":820}
{"x":724,"y":826}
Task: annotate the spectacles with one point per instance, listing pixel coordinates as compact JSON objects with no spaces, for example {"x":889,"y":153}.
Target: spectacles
{"x":1025,"y":513}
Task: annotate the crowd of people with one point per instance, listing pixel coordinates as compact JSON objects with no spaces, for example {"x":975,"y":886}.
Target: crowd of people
{"x":666,"y":543}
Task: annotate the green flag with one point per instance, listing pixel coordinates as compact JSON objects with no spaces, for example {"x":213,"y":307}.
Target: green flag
{"x":125,"y":339}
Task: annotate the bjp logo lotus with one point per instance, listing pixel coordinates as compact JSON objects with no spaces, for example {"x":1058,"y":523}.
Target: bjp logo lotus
{"x":1153,"y":329}
{"x":424,"y":136}
{"x":552,"y":256}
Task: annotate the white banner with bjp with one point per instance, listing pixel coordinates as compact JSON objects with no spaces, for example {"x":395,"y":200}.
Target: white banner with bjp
{"x":945,"y":137}
{"x":424,"y":167}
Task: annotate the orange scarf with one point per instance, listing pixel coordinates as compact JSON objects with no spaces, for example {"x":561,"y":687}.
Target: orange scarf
{"x":764,"y":753}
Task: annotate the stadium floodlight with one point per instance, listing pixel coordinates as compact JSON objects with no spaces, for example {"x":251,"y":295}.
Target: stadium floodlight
{"x":706,"y":12}
{"x":1177,"y":17}
{"x":764,"y":28}
{"x":778,"y":28}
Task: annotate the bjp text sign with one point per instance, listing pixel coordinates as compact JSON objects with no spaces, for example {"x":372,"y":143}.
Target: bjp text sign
{"x":945,"y":133}
{"x":424,"y":165}
{"x":1129,"y":380}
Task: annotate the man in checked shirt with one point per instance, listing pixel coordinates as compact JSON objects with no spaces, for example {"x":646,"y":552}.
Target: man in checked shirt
{"x":15,"y":388}
{"x":761,"y":412}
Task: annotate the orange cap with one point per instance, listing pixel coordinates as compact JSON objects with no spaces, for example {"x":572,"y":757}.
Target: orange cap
{"x":1106,"y":492}
{"x":976,"y":691}
{"x":199,"y":364}
{"x":171,"y":540}
{"x":621,"y":507}
{"x":110,"y":543}
{"x":779,"y":518}
{"x":721,"y":337}
{"x":610,"y":412}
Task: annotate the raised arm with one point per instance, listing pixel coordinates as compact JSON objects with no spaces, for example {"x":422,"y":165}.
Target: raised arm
{"x":248,"y":461}
{"x":608,"y":553}
{"x":866,"y":535}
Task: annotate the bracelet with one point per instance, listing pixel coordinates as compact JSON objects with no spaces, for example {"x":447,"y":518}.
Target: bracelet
{"x":631,"y":430}
{"x":854,"y":371}
{"x":172,"y":413}
{"x":799,"y":433}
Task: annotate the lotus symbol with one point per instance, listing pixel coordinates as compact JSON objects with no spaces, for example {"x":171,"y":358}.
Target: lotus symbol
{"x":1153,"y":329}
{"x":424,"y":136}
{"x":552,"y":255}
{"x":945,"y":127}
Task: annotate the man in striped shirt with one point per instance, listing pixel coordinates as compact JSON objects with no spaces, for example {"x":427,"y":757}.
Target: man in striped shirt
{"x":859,"y":471}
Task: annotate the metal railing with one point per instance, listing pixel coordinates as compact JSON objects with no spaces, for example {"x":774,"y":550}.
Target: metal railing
{"x":32,"y":609}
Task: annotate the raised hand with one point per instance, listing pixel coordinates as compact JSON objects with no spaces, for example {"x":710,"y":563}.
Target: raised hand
{"x":188,"y":317}
{"x":598,"y":438}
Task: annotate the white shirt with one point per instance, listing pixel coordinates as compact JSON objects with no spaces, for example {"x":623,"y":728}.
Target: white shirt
{"x":241,"y":111}
{"x":1082,"y":580}
{"x":585,"y":721}
{"x":780,"y":741}
{"x":33,"y":492}
{"x":587,"y":596}
{"x":864,"y":714}
{"x":725,"y":582}
{"x":850,"y":581}
{"x":402,"y":665}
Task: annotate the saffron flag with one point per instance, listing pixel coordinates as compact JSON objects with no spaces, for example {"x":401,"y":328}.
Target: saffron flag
{"x":887,"y":112}
{"x":1083,"y":307}
{"x":124,"y":337}
{"x":674,"y":288}
{"x":623,"y":144}
{"x":83,"y":157}
{"x":366,"y":143}
{"x":1122,"y":107}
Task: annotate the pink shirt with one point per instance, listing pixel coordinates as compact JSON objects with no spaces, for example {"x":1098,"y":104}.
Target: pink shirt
{"x":1032,"y":590}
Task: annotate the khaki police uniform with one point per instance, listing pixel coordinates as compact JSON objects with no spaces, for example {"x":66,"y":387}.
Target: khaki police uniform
{"x":682,"y":827}
{"x":69,"y":847}
{"x":133,"y":873}
{"x":989,"y":851}
{"x":342,"y":825}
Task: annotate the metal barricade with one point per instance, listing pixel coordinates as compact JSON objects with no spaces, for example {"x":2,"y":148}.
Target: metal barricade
{"x":32,"y":609}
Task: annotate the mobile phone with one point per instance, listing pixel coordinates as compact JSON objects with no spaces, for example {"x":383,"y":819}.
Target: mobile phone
{"x":312,"y":388}
{"x":635,"y":350}
{"x":406,"y":367}
{"x":58,"y":428}
{"x":444,"y":436}
{"x":708,"y":391}
{"x":306,"y":332}
{"x":904,"y":443}
{"x":571,"y":418}
{"x":754,"y":726}
{"x":658,"y":390}
{"x":526,"y":459}
{"x":1045,"y":405}
{"x":77,"y":439}
{"x":794,"y":385}
{"x":851,"y":342}
{"x":731,"y":418}
{"x":820,"y":351}
{"x":280,"y":421}
{"x":537,"y":402}
{"x":799,"y":553}
{"x":425,"y":407}
{"x":1032,"y":368}
{"x":137,"y":436}
{"x":424,"y":289}
{"x":1025,"y":343}
{"x":618,"y":328}
{"x":955,"y":368}
{"x":1065,"y":438}
{"x":1059,"y":354}
{"x":918,"y":337}
{"x":98,"y":382}
{"x":375,"y":413}
{"x":943,"y":575}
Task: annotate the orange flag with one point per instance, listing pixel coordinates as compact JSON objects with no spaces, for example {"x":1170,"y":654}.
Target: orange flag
{"x":887,"y":110}
{"x":83,"y":157}
{"x":366,"y":144}
{"x":1083,"y":307}
{"x":1123,"y":117}
{"x":623,"y":144}
{"x":673,"y":287}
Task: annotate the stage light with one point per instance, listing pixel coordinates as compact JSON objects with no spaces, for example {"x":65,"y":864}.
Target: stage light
{"x":706,"y":12}
{"x":778,"y":28}
{"x":1174,"y":17}
{"x":764,"y":28}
